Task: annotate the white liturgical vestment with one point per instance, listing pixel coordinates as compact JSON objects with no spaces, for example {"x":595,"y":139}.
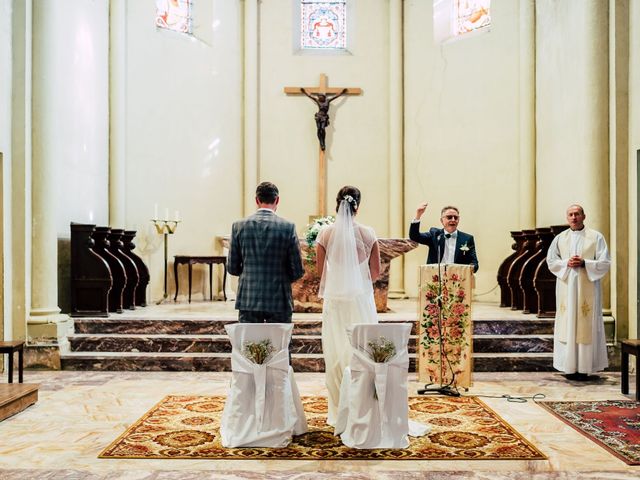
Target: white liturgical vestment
{"x":579,"y":344}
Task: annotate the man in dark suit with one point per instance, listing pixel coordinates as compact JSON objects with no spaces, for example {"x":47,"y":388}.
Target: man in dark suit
{"x":265,"y":252}
{"x":454,"y":246}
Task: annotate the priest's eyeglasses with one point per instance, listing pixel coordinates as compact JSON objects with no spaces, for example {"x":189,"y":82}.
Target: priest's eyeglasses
{"x":451,"y":217}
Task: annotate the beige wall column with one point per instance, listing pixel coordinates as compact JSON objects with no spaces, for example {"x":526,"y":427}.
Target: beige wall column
{"x":572,"y":110}
{"x":117,"y":111}
{"x":251,"y":171}
{"x":44,"y":322}
{"x":618,"y":164}
{"x":527,"y":210}
{"x":396,"y":152}
{"x":70,"y":144}
{"x":18,"y":276}
{"x":6,"y":71}
{"x":633,"y":160}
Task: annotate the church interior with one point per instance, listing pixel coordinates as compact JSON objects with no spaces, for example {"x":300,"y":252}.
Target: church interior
{"x":511,"y":113}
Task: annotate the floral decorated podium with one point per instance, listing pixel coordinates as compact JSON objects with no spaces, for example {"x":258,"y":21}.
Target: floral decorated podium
{"x":449,"y":319}
{"x":305,"y":290}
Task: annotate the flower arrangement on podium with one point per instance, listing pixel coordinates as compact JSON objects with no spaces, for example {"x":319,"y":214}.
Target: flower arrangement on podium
{"x":454,"y":318}
{"x":311,"y":233}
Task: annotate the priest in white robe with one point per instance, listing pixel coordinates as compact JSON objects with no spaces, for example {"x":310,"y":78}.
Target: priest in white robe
{"x":579,"y":258}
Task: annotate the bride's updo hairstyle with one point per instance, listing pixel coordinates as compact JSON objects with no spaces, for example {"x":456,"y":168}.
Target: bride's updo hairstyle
{"x":351,"y":195}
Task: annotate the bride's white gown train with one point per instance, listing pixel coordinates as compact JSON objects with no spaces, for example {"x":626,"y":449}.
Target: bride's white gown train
{"x":347,"y":290}
{"x":337,"y":317}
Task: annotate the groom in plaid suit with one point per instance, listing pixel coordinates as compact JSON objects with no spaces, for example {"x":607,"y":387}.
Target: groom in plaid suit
{"x":264,"y":251}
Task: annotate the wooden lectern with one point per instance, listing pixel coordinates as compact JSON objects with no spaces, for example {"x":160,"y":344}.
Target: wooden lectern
{"x":445,"y":312}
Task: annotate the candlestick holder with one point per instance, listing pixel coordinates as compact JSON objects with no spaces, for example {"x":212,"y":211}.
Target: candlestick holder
{"x":165,"y":228}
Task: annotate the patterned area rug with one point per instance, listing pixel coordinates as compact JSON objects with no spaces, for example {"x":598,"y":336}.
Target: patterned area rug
{"x":188,"y":427}
{"x":613,"y":424}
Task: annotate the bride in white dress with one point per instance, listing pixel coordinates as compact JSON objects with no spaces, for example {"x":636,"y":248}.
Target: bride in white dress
{"x":348,"y":262}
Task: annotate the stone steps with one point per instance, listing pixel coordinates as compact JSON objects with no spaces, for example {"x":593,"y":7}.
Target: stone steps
{"x":299,"y":343}
{"x":301,"y":326}
{"x":200,"y":343}
{"x":219,"y":362}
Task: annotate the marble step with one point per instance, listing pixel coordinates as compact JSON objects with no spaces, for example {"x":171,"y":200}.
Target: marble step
{"x":513,"y":327}
{"x":174,"y":343}
{"x":299,"y":343}
{"x":220,"y":362}
{"x":170,"y":361}
{"x":542,"y":343}
{"x":302,"y":326}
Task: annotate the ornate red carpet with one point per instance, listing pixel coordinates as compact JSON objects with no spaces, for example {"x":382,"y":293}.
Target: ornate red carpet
{"x":613,"y":424}
{"x":188,"y":427}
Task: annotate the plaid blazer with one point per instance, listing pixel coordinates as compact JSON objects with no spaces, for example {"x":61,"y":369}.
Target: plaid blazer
{"x":265,"y":252}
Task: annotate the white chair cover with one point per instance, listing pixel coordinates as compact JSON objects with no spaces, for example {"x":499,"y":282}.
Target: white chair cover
{"x":365,"y":421}
{"x":263,"y":407}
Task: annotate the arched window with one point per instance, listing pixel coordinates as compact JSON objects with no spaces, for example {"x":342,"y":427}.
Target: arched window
{"x":457,"y":18}
{"x":471,"y":15}
{"x":174,"y":15}
{"x":323,"y":25}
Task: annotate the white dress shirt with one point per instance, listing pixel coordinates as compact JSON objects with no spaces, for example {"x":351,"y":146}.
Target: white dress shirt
{"x":449,"y":247}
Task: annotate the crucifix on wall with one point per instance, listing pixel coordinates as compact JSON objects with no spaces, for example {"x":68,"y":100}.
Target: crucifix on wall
{"x":322,"y":96}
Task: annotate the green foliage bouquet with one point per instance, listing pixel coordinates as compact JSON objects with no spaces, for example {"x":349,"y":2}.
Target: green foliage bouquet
{"x":381,"y":350}
{"x":258,"y":352}
{"x":311,"y":233}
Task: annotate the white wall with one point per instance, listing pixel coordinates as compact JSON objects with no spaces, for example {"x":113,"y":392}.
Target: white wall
{"x":463,"y":140}
{"x":572,"y":102}
{"x":357,"y":139}
{"x":71,"y":113}
{"x":183,"y":140}
{"x":70,"y":136}
{"x":462,"y":137}
{"x":184,"y":132}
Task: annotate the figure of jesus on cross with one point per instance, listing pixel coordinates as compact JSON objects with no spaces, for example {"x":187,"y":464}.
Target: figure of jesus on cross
{"x":322,"y":96}
{"x":322,"y":115}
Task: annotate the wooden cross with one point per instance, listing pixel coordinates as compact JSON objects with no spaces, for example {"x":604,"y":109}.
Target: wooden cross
{"x":330,"y":94}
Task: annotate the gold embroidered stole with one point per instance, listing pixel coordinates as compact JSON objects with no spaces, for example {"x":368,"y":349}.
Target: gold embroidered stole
{"x":586,"y":290}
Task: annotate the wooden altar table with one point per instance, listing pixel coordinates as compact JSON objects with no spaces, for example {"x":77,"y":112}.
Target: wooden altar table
{"x":305,"y":290}
{"x":207,"y":260}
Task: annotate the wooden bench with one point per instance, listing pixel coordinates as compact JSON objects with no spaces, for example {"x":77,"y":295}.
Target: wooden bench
{"x":630,"y":347}
{"x":10,"y":348}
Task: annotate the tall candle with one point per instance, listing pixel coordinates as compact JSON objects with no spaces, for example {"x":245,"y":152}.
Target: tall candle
{"x":177,"y":215}
{"x":166,"y":214}
{"x":155,"y":211}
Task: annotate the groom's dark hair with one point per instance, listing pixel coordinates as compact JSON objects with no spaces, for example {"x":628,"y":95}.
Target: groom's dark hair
{"x":267,"y":193}
{"x":344,"y":194}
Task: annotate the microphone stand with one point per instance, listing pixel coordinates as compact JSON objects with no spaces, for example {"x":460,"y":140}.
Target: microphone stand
{"x":449,"y":389}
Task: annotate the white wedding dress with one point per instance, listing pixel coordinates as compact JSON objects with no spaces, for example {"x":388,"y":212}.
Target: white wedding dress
{"x":347,"y":291}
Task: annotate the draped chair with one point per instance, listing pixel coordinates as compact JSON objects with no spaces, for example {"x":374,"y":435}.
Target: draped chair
{"x":374,"y":407}
{"x":263,"y":407}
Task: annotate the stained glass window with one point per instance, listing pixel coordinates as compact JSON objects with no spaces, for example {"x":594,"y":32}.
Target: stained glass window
{"x":323,"y":25}
{"x":174,"y":15}
{"x":471,"y":15}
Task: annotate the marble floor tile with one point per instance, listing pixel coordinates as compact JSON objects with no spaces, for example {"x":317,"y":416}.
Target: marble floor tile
{"x":79,"y":413}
